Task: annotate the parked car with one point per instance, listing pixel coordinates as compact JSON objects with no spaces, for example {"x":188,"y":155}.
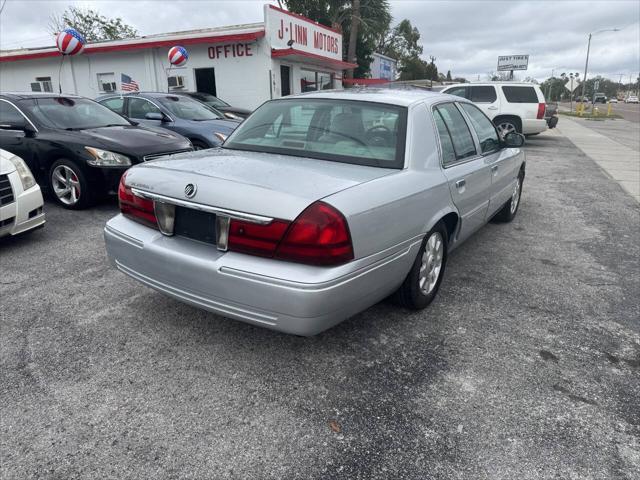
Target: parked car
{"x":318,"y":206}
{"x":631,"y":99}
{"x":513,"y":107}
{"x":234,"y":113}
{"x":613,"y":100}
{"x":179,"y":113}
{"x":551,"y":114}
{"x":21,"y":205}
{"x":75,"y":146}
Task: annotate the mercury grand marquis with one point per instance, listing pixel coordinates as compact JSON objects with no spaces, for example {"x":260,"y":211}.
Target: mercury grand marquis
{"x":318,"y":206}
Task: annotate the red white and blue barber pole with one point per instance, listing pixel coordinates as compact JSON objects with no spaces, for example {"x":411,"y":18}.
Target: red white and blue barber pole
{"x":70,"y":42}
{"x":178,"y":56}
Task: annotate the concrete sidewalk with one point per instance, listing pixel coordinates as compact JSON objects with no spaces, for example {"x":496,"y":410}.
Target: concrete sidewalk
{"x":619,"y":162}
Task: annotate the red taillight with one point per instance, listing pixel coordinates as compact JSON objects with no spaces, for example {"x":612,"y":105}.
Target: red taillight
{"x":256,"y":239}
{"x":137,"y":208}
{"x":541,"y":108}
{"x":319,"y":236}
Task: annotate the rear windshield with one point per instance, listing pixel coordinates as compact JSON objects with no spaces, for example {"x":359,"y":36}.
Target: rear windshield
{"x":520,"y":94}
{"x":348,"y":131}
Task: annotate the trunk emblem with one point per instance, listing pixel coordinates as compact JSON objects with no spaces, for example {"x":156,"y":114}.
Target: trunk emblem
{"x":190,"y":190}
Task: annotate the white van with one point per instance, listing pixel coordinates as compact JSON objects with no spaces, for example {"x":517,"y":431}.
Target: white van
{"x":512,"y":106}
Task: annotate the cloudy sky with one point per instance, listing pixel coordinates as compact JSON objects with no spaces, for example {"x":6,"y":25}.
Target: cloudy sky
{"x":466,"y":37}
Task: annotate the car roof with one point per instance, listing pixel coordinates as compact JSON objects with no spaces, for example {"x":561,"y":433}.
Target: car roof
{"x":24,"y":95}
{"x":392,"y":96}
{"x":484,"y":84}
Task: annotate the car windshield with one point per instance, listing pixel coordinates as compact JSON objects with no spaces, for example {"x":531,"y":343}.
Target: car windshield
{"x":71,"y":113}
{"x":209,"y":99}
{"x":188,"y":109}
{"x":346,"y":131}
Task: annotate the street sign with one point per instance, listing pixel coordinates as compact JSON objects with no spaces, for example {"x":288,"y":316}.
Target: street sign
{"x":596,"y":85}
{"x":513,"y":62}
{"x":571,"y":85}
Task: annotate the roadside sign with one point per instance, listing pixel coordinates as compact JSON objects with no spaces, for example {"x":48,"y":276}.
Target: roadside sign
{"x":513,"y":62}
{"x":596,"y":85}
{"x":571,"y":85}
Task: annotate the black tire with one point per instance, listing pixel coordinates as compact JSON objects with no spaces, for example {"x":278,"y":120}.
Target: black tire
{"x":81,"y":197}
{"x":507,"y":212}
{"x":506,"y":125}
{"x":411,"y":294}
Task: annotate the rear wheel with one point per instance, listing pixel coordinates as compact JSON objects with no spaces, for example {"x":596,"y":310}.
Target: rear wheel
{"x":506,"y":125}
{"x":423,"y":281}
{"x":69,"y":186}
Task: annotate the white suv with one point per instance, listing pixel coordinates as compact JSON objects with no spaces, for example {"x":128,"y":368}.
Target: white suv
{"x":512,"y":106}
{"x":20,"y":197}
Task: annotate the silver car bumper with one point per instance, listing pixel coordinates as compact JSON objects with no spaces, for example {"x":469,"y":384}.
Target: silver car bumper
{"x":292,"y":298}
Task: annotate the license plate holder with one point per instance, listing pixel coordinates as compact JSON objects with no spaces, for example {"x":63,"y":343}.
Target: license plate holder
{"x":196,"y":225}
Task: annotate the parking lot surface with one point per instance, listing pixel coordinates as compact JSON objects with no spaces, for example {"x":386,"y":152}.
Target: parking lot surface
{"x":527,"y":365}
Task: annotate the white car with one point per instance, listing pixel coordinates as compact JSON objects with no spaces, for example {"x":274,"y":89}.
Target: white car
{"x":613,"y":100}
{"x":631,"y":99}
{"x":21,"y":204}
{"x":512,"y":106}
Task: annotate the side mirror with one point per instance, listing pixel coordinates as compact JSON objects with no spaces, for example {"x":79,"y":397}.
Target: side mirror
{"x":19,"y":126}
{"x":155,"y":116}
{"x":513,"y":140}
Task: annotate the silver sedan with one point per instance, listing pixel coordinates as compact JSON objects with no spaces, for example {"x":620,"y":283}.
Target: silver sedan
{"x":318,"y":206}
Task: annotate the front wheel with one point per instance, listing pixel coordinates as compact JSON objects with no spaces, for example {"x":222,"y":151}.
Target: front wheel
{"x":423,"y":281}
{"x":69,"y":186}
{"x":509,"y":210}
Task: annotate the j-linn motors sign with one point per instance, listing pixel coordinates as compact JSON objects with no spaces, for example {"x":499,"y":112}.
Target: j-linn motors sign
{"x":286,"y":30}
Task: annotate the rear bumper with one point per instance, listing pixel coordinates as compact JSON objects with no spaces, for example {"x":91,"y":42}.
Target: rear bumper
{"x":283,"y":296}
{"x":25,"y":213}
{"x":530,"y":126}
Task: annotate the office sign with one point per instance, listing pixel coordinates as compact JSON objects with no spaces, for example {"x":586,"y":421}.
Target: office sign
{"x":513,"y":62}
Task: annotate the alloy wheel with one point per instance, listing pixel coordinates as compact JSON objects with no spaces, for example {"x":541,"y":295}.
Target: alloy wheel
{"x":66,"y":185}
{"x":431,"y":263}
{"x":506,"y":127}
{"x":515,"y":197}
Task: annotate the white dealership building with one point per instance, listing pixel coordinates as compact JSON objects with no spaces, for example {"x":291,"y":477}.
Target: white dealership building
{"x":244,"y":65}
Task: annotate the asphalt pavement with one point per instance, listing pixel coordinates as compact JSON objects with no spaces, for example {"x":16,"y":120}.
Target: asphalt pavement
{"x":527,"y":365}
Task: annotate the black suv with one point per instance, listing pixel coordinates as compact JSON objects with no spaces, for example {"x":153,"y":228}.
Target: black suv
{"x":76,"y":148}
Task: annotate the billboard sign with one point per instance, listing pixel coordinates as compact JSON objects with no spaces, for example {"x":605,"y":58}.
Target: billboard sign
{"x":513,"y":62}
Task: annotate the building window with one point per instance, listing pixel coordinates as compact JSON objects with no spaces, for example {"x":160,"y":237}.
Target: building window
{"x":311,"y":81}
{"x":42,"y":84}
{"x":107,"y":82}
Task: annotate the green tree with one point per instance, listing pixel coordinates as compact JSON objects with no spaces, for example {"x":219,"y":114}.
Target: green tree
{"x":93,"y":26}
{"x":432,"y":70}
{"x":374,"y":18}
{"x":448,"y":75}
{"x":413,"y":68}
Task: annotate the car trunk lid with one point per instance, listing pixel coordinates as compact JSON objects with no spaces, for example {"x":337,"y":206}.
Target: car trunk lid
{"x":277,"y":186}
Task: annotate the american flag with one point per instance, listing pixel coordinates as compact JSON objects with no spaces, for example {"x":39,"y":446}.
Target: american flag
{"x":128,"y":84}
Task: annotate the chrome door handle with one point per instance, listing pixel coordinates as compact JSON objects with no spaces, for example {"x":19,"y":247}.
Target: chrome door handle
{"x":461,"y":183}
{"x":492,"y":108}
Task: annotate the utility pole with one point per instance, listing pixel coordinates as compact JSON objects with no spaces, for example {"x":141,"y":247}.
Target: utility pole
{"x":586,"y":63}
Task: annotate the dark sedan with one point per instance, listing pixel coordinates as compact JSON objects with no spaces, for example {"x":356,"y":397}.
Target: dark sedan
{"x":221,"y":105}
{"x":76,"y":148}
{"x":205,"y":127}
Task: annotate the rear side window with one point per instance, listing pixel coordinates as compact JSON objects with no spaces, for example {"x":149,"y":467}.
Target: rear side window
{"x":483,"y":94}
{"x":115,"y":104}
{"x":9,"y":115}
{"x":520,"y":94}
{"x":458,"y":130}
{"x":457,"y":91}
{"x":485,"y":130}
{"x":448,"y":152}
